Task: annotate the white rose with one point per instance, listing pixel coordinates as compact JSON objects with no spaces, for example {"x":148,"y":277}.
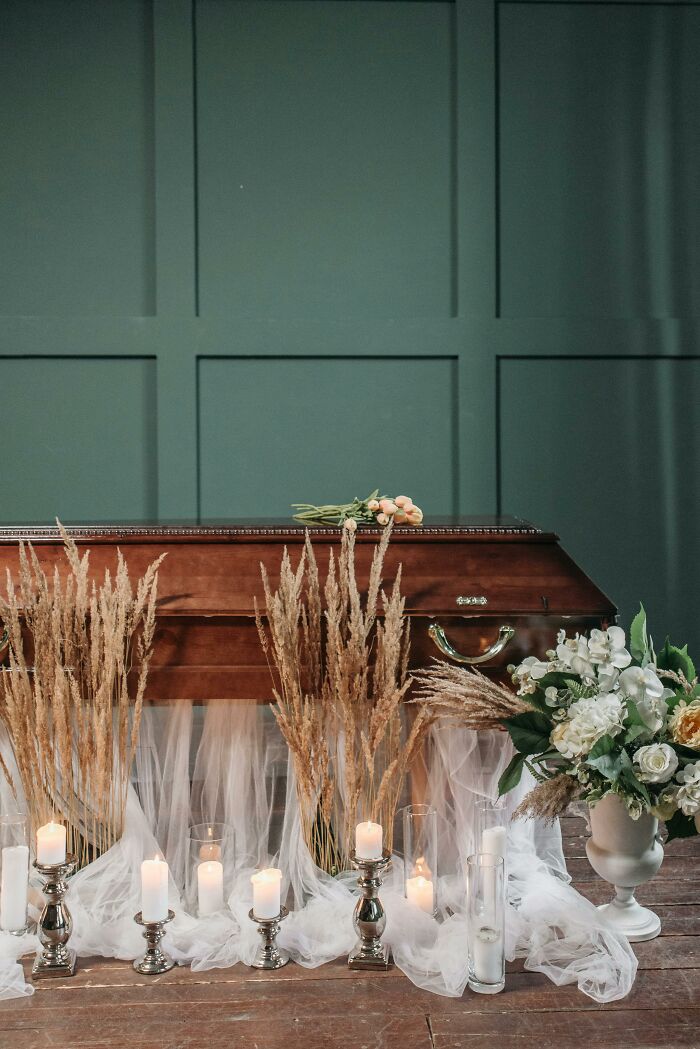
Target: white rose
{"x":689,"y":791}
{"x":607,"y":649}
{"x":655,"y":763}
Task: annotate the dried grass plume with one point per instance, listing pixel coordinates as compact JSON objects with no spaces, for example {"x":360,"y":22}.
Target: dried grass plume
{"x":340,"y":665}
{"x":466,"y":696}
{"x":67,"y":700}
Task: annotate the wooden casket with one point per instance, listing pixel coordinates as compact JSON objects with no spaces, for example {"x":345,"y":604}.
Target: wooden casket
{"x":483,"y":591}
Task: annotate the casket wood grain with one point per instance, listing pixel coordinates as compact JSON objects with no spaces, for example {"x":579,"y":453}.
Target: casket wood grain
{"x":477,"y":579}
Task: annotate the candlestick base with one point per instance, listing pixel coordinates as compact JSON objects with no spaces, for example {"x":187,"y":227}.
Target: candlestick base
{"x":269,"y":955}
{"x":155,"y":961}
{"x":55,"y":924}
{"x":369,"y":918}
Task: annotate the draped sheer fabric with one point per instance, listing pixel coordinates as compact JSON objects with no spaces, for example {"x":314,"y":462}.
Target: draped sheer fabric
{"x":226,"y":762}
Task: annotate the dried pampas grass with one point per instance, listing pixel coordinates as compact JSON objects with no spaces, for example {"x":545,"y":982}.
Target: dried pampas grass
{"x":473,"y":700}
{"x":466,"y":696}
{"x":549,"y":799}
{"x":341,"y":674}
{"x":70,"y":710}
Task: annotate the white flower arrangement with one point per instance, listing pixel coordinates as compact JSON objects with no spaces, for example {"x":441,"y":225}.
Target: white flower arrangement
{"x":615,"y":720}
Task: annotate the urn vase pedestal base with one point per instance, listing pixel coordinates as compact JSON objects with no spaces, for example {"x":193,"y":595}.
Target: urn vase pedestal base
{"x":626,"y":853}
{"x":635,"y":922}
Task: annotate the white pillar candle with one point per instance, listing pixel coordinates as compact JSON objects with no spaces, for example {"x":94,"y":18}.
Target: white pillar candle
{"x":210,"y":887}
{"x":368,"y":841}
{"x":487,"y":957}
{"x":154,"y":890}
{"x":13,"y":887}
{"x":494,"y":841}
{"x":419,"y":891}
{"x":266,"y":893}
{"x":51,"y":844}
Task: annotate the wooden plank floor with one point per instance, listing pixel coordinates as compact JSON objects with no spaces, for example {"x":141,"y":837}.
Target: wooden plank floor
{"x":107,"y":1004}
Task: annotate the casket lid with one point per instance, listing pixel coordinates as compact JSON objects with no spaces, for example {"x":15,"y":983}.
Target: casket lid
{"x":489,"y":566}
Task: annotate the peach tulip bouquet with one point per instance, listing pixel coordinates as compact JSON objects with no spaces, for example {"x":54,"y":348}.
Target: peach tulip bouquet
{"x":376,"y":509}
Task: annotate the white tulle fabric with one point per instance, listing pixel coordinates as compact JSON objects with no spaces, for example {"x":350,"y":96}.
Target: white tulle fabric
{"x":226,"y":762}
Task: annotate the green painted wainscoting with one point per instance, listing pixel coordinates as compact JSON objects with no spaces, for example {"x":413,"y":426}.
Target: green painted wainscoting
{"x":262,"y":251}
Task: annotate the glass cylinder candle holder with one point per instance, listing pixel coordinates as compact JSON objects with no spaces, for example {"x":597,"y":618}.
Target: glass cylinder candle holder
{"x":486,"y":906}
{"x":420,"y":857}
{"x":491,"y":826}
{"x":14,"y":872}
{"x":209,"y":867}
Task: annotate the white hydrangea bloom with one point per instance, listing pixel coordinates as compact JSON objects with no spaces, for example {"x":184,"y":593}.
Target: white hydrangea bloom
{"x":588,"y":720}
{"x":689,"y":791}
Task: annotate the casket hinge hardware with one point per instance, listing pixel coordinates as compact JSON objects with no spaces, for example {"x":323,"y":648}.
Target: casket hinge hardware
{"x":505,"y":634}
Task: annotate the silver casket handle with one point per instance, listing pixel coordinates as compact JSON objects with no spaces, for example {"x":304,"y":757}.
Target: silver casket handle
{"x":505,"y":635}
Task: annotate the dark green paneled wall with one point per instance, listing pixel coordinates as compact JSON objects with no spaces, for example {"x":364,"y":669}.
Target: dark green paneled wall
{"x":262,"y":251}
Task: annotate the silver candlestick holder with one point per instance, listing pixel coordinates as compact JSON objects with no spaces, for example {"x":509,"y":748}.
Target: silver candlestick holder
{"x":155,"y":961}
{"x":268,"y":954}
{"x":55,"y":924}
{"x":369,"y":918}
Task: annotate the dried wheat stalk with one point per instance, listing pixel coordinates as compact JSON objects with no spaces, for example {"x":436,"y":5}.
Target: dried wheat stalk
{"x":342,"y":674}
{"x":549,"y":799}
{"x":70,"y":712}
{"x":466,"y":696}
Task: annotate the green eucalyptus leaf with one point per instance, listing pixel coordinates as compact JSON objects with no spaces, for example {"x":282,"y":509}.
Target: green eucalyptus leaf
{"x":608,"y":765}
{"x":634,"y":732}
{"x":529,"y":731}
{"x":633,"y":716}
{"x":537,"y":701}
{"x":677,"y":659}
{"x":511,"y":776}
{"x":605,"y":745}
{"x":628,"y":775}
{"x":639,"y":642}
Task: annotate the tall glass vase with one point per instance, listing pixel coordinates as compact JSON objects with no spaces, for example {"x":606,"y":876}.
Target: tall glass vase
{"x":14,"y":873}
{"x":486,"y":923}
{"x":420,"y":856}
{"x":209,"y":867}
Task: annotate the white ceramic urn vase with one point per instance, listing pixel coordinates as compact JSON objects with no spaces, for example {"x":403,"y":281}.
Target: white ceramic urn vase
{"x":626,"y":853}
